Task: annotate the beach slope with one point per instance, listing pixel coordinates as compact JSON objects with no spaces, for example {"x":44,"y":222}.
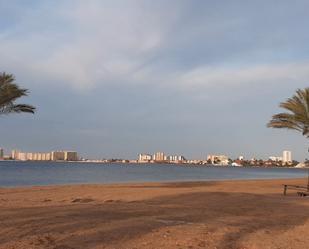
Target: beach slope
{"x":227,"y":214}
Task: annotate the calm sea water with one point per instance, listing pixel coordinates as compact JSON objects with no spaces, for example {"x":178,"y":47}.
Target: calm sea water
{"x":51,"y":173}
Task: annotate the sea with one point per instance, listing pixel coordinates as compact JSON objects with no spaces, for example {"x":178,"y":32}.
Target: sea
{"x":17,"y":174}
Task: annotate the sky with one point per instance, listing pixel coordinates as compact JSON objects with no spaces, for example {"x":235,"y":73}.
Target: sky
{"x":111,"y":79}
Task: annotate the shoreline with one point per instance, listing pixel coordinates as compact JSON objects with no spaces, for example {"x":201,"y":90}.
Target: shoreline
{"x":151,"y":182}
{"x":156,"y":163}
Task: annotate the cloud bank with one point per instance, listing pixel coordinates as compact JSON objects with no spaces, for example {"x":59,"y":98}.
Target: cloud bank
{"x":85,"y":44}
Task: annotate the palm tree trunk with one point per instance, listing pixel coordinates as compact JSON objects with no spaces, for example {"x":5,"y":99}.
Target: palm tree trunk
{"x":308,"y":180}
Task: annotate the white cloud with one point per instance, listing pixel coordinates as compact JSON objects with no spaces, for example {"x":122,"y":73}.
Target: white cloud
{"x":85,"y":43}
{"x":98,"y":42}
{"x":203,"y":78}
{"x":238,"y":76}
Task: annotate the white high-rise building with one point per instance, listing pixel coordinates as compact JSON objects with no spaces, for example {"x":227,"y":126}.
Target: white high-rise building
{"x":287,"y":156}
{"x":144,"y":158}
{"x":159,"y":156}
{"x":15,"y":154}
{"x":70,"y":156}
{"x":175,"y":158}
{"x":57,"y":156}
{"x":49,"y":156}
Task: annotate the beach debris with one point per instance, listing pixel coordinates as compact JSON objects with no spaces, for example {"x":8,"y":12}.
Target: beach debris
{"x":82,"y":200}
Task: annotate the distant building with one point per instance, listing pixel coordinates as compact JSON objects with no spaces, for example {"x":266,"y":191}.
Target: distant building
{"x":287,"y":156}
{"x":30,"y":156}
{"x":70,"y":156}
{"x":64,"y":156}
{"x":22,"y":156}
{"x":176,"y":159}
{"x":159,"y":157}
{"x":218,"y":159}
{"x":144,"y":158}
{"x":49,"y":156}
{"x":15,"y":154}
{"x":57,"y":156}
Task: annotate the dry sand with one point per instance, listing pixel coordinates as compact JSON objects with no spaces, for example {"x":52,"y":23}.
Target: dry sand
{"x":229,"y":214}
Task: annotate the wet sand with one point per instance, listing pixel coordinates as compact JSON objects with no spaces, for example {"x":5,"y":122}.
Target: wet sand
{"x":227,"y":214}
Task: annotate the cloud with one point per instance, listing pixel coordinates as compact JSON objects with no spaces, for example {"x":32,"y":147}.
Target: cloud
{"x":85,"y":44}
{"x":94,"y":42}
{"x":238,"y":76}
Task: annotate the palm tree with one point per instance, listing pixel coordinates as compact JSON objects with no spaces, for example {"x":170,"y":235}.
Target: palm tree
{"x":297,"y":117}
{"x":9,"y":93}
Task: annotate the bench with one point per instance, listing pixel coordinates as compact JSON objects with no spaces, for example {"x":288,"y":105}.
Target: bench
{"x":303,"y":194}
{"x":295,"y":187}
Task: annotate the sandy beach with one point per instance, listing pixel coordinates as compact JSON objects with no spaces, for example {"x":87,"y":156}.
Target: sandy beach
{"x":227,"y":214}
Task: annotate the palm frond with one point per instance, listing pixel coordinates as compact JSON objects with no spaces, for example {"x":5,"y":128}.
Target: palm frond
{"x":6,"y":78}
{"x":9,"y":93}
{"x":11,"y":108}
{"x":284,"y":120}
{"x":297,"y":117}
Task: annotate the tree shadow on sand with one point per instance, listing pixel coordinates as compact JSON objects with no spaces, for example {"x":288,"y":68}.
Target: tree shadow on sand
{"x":110,"y":224}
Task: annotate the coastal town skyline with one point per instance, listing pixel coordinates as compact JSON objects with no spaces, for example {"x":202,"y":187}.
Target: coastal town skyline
{"x":157,"y":157}
{"x":187,"y":79}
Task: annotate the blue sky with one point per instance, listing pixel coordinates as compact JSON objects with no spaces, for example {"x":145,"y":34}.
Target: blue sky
{"x":116,"y":78}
